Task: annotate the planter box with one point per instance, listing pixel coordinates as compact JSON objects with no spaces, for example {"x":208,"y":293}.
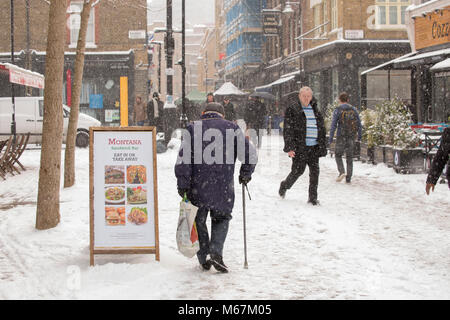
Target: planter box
{"x":389,"y":156}
{"x":408,"y":160}
{"x":378,"y":154}
{"x":366,"y":153}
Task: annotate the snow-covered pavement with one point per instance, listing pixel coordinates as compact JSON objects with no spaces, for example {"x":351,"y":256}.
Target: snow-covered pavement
{"x":380,"y":237}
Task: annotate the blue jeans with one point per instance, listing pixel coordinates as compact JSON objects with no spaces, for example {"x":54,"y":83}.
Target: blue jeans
{"x":219,"y":229}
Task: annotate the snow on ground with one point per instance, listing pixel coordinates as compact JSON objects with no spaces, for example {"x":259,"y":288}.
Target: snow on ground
{"x":379,"y":238}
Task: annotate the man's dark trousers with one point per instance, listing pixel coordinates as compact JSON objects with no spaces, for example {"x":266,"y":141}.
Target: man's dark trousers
{"x":308,"y":157}
{"x":219,"y":229}
{"x":346,"y":145}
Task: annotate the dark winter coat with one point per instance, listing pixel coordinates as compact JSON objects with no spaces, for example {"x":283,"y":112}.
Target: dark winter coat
{"x":211,"y":184}
{"x":255,"y":112}
{"x":294,"y":131}
{"x":230,"y":114}
{"x":440,"y":159}
{"x":151,"y":114}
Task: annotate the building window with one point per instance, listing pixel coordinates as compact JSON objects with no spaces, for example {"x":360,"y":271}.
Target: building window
{"x":334,"y":15}
{"x":391,"y":12}
{"x":325,"y":15}
{"x":74,"y":11}
{"x":317,"y":20}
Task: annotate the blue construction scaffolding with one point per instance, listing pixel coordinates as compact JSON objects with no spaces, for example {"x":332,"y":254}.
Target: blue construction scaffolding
{"x":244,"y":33}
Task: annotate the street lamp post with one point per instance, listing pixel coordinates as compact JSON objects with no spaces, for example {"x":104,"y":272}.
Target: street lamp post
{"x":13,"y":122}
{"x":183,"y":119}
{"x":159,"y":44}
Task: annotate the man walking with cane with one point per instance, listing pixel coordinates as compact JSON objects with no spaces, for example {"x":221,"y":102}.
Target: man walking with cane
{"x":205,"y":173}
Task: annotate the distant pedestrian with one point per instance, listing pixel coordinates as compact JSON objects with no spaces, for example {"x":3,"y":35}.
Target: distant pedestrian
{"x":439,"y":161}
{"x":155,"y":112}
{"x":170,"y":120}
{"x":139,"y":112}
{"x":206,"y":176}
{"x":304,"y":141}
{"x":254,"y":116}
{"x":348,"y":124}
{"x":230,"y":113}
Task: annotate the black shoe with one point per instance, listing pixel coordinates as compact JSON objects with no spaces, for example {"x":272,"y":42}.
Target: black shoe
{"x":347,"y":180}
{"x":206,"y":266}
{"x":282,"y":190}
{"x":314,"y":202}
{"x":218,"y":264}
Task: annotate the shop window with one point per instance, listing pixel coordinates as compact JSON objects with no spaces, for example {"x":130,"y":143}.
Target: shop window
{"x":378,"y":86}
{"x":74,"y":11}
{"x":317,"y":20}
{"x":315,"y":85}
{"x":441,"y":99}
{"x":391,"y":13}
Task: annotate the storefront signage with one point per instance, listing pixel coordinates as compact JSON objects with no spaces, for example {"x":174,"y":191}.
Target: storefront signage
{"x":23,"y":76}
{"x":434,"y":29}
{"x":354,"y":34}
{"x":123,"y":191}
{"x":270,"y":23}
{"x":136,"y":34}
{"x":112,"y":115}
{"x":96,"y":101}
{"x":384,"y":56}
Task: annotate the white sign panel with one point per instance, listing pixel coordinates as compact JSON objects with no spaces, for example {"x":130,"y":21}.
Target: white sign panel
{"x":136,"y":34}
{"x":354,"y":34}
{"x":124,"y":193}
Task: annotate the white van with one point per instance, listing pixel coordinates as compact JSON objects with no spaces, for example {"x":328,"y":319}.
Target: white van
{"x":30,"y":116}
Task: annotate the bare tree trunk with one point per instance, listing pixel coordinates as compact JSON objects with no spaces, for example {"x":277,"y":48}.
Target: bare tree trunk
{"x":69,"y":158}
{"x":47,"y":214}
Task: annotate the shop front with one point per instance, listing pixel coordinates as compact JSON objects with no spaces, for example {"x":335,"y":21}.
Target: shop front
{"x":102,"y":87}
{"x":337,"y":66}
{"x":426,"y":66}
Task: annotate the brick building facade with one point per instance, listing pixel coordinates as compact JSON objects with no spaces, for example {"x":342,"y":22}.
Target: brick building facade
{"x":115,"y":47}
{"x":326,"y":44}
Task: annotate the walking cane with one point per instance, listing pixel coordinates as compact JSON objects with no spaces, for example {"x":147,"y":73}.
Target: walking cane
{"x":244,"y":185}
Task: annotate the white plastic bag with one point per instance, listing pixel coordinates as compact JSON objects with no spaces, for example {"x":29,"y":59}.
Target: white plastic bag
{"x":187,"y":236}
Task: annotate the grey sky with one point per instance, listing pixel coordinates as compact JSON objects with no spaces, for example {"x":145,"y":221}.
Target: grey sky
{"x":197,"y":11}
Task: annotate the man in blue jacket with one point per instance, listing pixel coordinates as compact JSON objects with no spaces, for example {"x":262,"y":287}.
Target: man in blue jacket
{"x":205,"y":173}
{"x":346,"y":120}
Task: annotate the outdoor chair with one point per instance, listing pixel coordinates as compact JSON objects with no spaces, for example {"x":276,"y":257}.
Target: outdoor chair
{"x":4,"y":157}
{"x":18,"y":152}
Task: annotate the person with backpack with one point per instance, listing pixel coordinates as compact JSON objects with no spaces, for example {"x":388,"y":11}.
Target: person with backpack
{"x":348,"y":124}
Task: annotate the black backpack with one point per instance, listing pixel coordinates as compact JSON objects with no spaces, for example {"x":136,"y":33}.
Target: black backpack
{"x":349,"y":123}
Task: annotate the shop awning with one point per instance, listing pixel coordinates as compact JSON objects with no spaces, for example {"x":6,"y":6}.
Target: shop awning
{"x":23,"y":76}
{"x":276,"y":82}
{"x":388,"y":63}
{"x":426,"y":57}
{"x":441,"y":65}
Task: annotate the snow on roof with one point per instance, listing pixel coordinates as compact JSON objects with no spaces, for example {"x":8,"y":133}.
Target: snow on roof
{"x":353,"y":41}
{"x":425,"y":4}
{"x":92,"y":52}
{"x":426,"y":55}
{"x":441,"y":65}
{"x":387,"y":63}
